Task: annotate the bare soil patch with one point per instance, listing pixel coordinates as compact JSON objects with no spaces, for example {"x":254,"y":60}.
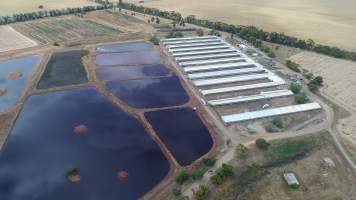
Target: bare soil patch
{"x":14,"y":75}
{"x":11,"y":40}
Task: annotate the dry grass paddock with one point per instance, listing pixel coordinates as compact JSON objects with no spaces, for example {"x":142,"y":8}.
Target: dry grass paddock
{"x":326,"y":21}
{"x":340,"y":86}
{"x":10,"y":39}
{"x":10,"y":7}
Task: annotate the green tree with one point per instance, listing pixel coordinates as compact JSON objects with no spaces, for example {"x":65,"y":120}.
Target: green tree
{"x":198,"y":174}
{"x":182,"y":176}
{"x":300,"y":98}
{"x":157,"y":20}
{"x":262,"y":143}
{"x":154,"y":39}
{"x":217,"y":179}
{"x":202,"y":192}
{"x":293,"y":66}
{"x":295,"y":87}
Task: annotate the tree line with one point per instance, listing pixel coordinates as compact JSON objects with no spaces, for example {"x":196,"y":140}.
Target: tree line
{"x":251,"y":34}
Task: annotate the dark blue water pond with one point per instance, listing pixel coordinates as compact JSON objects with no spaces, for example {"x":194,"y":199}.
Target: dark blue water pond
{"x":64,"y":68}
{"x":122,"y":47}
{"x":14,"y":88}
{"x":149,"y":93}
{"x":42,"y":147}
{"x":182,"y":132}
{"x":133,"y":72}
{"x":128,"y":58}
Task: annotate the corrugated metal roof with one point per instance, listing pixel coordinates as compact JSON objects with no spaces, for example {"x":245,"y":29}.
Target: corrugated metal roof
{"x":225,"y":72}
{"x":242,"y":99}
{"x":241,"y":88}
{"x":194,"y":45}
{"x":270,"y":112}
{"x":190,"y":41}
{"x":291,"y":179}
{"x":204,"y":52}
{"x":188,"y":38}
{"x":218,"y":66}
{"x":231,"y":79}
{"x":199,"y":48}
{"x":209,"y":56}
{"x":212,"y":61}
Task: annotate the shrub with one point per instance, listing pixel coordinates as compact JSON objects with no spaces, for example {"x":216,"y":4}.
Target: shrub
{"x":278,"y":122}
{"x":289,"y":149}
{"x":200,"y":32}
{"x":56,"y":44}
{"x":293,"y":66}
{"x":209,"y":161}
{"x":174,"y":35}
{"x":177,"y":192}
{"x":217,"y":179}
{"x":154,"y":39}
{"x":198,"y":174}
{"x":312,"y":86}
{"x":300,"y":98}
{"x":271,"y":128}
{"x":318,"y":80}
{"x":295,"y":87}
{"x":241,"y":150}
{"x":262,"y":143}
{"x":222,"y":173}
{"x":272,"y":54}
{"x":315,"y":83}
{"x":226,"y":170}
{"x":182,"y":176}
{"x":202,"y":192}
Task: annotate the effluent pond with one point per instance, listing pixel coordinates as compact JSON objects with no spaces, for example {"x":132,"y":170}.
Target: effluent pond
{"x":149,"y":93}
{"x":125,"y":47}
{"x":14,"y":75}
{"x":64,"y":68}
{"x":128,"y":58}
{"x":75,"y":144}
{"x":182,"y":131}
{"x":135,"y":75}
{"x":131,"y":72}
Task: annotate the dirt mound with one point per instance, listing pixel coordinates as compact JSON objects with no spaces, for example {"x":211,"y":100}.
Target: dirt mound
{"x":122,"y":175}
{"x":3,"y":92}
{"x":14,"y":75}
{"x":81,"y":129}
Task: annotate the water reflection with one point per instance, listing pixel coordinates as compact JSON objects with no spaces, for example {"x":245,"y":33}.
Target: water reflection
{"x":122,"y":47}
{"x":42,"y":146}
{"x":128,"y":58}
{"x":133,"y":72}
{"x":149,"y":93}
{"x":182,"y":132}
{"x":13,"y":78}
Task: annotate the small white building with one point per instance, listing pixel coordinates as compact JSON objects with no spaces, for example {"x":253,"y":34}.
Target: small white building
{"x":291,"y":180}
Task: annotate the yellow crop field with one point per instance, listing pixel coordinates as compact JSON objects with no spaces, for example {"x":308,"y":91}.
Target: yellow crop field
{"x":331,"y":22}
{"x":9,"y":7}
